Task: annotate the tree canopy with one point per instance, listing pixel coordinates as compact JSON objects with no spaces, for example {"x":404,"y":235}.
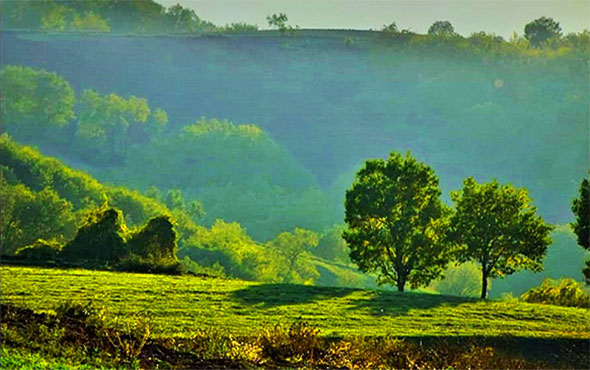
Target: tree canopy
{"x":396,"y":223}
{"x":498,"y":227}
{"x":581,"y":226}
{"x":441,"y":28}
{"x":540,"y":30}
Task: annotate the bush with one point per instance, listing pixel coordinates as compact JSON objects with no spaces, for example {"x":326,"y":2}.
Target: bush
{"x":564,"y":292}
{"x":101,"y":237}
{"x":41,"y":250}
{"x":157,"y":240}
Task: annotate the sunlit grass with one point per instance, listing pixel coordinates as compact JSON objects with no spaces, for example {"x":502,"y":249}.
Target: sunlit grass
{"x":180,"y":305}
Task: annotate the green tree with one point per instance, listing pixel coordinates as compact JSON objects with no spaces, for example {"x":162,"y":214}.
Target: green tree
{"x":27,"y":215}
{"x":293,"y":248}
{"x":32,"y":99}
{"x":581,"y":226}
{"x":441,"y":28}
{"x":396,"y":223}
{"x":498,"y":227}
{"x":279,"y":21}
{"x":540,"y":30}
{"x":390,"y":29}
{"x":105,"y":120}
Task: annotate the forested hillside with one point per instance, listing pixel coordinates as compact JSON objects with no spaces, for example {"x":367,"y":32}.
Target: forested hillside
{"x":468,"y":106}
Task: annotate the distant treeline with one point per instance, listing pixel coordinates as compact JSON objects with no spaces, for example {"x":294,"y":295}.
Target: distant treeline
{"x":117,"y":16}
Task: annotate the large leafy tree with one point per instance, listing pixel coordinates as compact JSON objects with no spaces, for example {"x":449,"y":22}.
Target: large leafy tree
{"x":498,"y":227}
{"x":31,"y":99}
{"x":396,"y":223}
{"x":108,"y":120}
{"x":581,"y":209}
{"x":540,"y":30}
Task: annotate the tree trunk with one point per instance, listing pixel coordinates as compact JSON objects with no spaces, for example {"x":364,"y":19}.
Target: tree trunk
{"x":484,"y":284}
{"x":401,"y":283}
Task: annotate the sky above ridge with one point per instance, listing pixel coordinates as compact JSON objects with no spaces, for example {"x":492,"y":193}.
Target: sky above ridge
{"x":501,"y":17}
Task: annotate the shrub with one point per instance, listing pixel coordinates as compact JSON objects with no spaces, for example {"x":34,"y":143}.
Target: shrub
{"x":40,"y":250}
{"x":564,"y":292}
{"x":157,"y":239}
{"x":101,"y":237}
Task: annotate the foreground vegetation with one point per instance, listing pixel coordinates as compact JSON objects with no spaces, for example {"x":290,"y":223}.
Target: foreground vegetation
{"x":180,"y":305}
{"x":78,"y":336}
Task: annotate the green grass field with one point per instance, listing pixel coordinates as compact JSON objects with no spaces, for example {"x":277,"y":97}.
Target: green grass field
{"x":180,"y":305}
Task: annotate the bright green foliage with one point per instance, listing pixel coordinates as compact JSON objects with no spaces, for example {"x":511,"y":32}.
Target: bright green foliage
{"x":228,"y":245}
{"x":441,"y":28}
{"x":499,"y":228}
{"x":460,"y":280}
{"x":238,"y":172}
{"x":105,"y":122}
{"x":541,"y":30}
{"x":28,"y":215}
{"x":36,"y":171}
{"x":564,"y":292}
{"x":34,"y":99}
{"x":581,"y":209}
{"x":156,"y":240}
{"x":396,"y":223}
{"x":101,"y":237}
{"x":293,"y":249}
{"x":41,"y":250}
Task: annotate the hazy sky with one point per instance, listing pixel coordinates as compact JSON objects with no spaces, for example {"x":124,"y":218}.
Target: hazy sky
{"x":498,"y":16}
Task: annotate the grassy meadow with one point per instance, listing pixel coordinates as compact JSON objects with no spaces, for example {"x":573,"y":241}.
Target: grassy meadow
{"x":181,"y":305}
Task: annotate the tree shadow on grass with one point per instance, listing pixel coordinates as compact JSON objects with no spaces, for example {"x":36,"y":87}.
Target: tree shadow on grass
{"x":273,"y":295}
{"x":387,"y":303}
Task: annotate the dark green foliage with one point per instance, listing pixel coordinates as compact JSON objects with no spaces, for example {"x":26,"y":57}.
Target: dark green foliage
{"x":441,"y":28}
{"x":101,"y":237}
{"x":43,"y":250}
{"x":156,"y":240}
{"x":540,"y":30}
{"x":396,"y":223}
{"x":564,"y":292}
{"x":498,"y":227}
{"x":581,"y":209}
